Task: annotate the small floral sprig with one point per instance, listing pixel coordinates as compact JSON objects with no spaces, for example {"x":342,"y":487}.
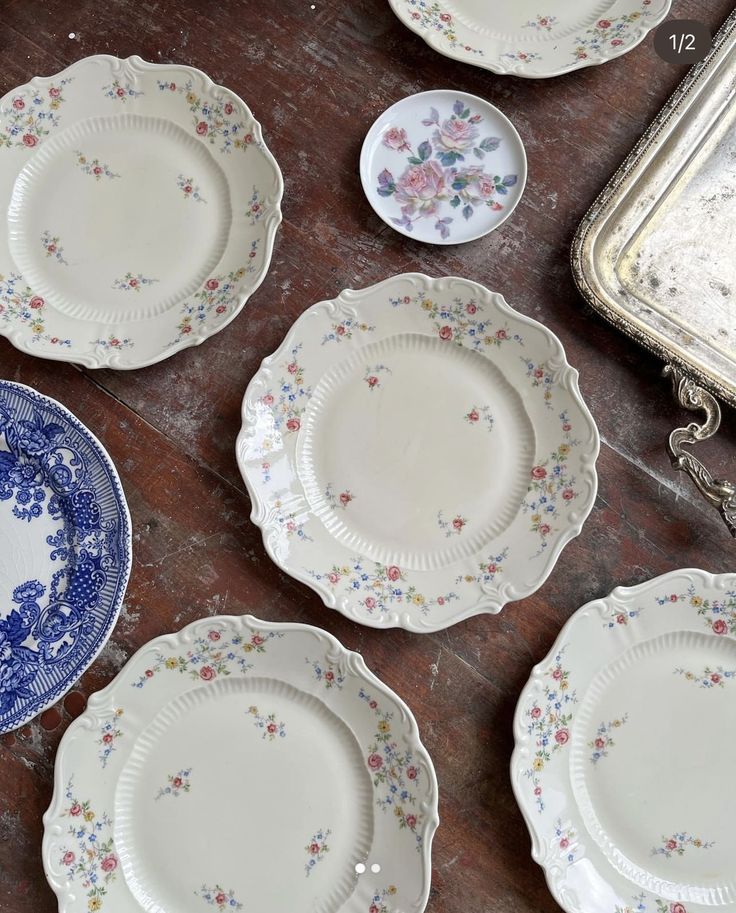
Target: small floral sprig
{"x":132,"y":282}
{"x":345,"y":330}
{"x":338,"y":500}
{"x":286,"y":401}
{"x":52,"y":247}
{"x":541,"y":377}
{"x":255,"y":207}
{"x":216,"y":297}
{"x":622,"y":618}
{"x":114,"y":342}
{"x":317,"y":849}
{"x":541,"y":23}
{"x":480,"y":415}
{"x":611,"y":33}
{"x":452,"y":527}
{"x":189,"y":189}
{"x":522,"y":56}
{"x":121,"y":92}
{"x":603,"y":738}
{"x":639,"y":904}
{"x":327,"y":674}
{"x":219,"y":897}
{"x":178,"y":783}
{"x":94,"y":167}
{"x":31,"y":115}
{"x":372,"y":375}
{"x":109,"y":732}
{"x":488,"y":569}
{"x":678,"y":843}
{"x":566,"y":839}
{"x":215,"y":121}
{"x":268,"y":724}
{"x":18,"y":303}
{"x":708,"y":677}
{"x":379,"y":903}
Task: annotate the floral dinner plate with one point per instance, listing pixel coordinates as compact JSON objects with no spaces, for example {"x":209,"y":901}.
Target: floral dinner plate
{"x":621,"y":735}
{"x":65,"y":551}
{"x":443,"y":167}
{"x":242,"y":765}
{"x":142,"y":205}
{"x":528,"y":38}
{"x":417,"y":452}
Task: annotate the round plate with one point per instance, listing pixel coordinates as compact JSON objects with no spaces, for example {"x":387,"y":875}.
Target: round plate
{"x":443,"y":167}
{"x":242,"y":765}
{"x":417,"y":452}
{"x":142,"y":207}
{"x":65,"y":551}
{"x":526,"y":38}
{"x":617,"y":735}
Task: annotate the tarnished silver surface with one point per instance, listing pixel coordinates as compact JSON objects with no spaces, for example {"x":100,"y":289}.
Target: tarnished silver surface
{"x":656,"y":252}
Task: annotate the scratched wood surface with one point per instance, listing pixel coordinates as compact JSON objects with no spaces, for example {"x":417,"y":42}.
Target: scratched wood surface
{"x":316,"y":79}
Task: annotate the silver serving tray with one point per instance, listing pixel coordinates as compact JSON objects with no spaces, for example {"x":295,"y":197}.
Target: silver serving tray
{"x":656,"y":253}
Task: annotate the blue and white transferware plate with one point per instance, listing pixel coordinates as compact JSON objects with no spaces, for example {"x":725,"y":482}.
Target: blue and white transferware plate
{"x":65,"y":551}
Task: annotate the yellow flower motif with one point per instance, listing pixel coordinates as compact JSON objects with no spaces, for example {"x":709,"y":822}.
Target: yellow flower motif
{"x":82,"y":160}
{"x":37,"y":327}
{"x":418,"y":599}
{"x":563,"y":685}
{"x":171,"y":663}
{"x":635,"y":16}
{"x":696,"y":601}
{"x":564,"y":449}
{"x":689,"y":676}
{"x":240,"y":273}
{"x":384,"y":727}
{"x":427,"y":304}
{"x":391,"y":889}
{"x":88,"y":816}
{"x":538,"y":764}
{"x":253,"y":710}
{"x":469,"y":578}
{"x":536,"y":518}
{"x":247,"y":647}
{"x":94,"y":904}
{"x":398,"y":812}
{"x":191,"y":98}
{"x":697,"y":842}
{"x":54,"y":103}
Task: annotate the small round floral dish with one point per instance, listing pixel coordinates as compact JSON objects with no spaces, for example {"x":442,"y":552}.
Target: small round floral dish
{"x":616,"y":736}
{"x":242,"y":765}
{"x":65,"y":551}
{"x":417,"y":452}
{"x":443,"y":167}
{"x":142,"y":206}
{"x":527,"y":38}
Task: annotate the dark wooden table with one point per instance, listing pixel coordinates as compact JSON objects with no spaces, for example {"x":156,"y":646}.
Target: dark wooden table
{"x":316,"y":75}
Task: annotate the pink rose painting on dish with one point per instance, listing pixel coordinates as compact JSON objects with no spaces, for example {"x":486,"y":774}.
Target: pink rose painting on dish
{"x":437,"y":181}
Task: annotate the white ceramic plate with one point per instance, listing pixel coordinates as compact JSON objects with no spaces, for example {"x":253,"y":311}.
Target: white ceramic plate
{"x":623,"y":736}
{"x":242,"y":765}
{"x":443,"y":167}
{"x":141,"y":206}
{"x":529,"y":38}
{"x":417,"y":452}
{"x":65,"y":551}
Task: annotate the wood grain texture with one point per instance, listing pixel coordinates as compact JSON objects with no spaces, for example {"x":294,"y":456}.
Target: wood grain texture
{"x":316,"y":79}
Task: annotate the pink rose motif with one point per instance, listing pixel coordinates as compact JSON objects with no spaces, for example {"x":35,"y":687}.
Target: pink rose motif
{"x":473,"y":416}
{"x":97,"y":169}
{"x":412,"y":773}
{"x":293,"y":424}
{"x":202,"y":128}
{"x":257,"y":640}
{"x":564,"y":843}
{"x":671,"y":844}
{"x":333,"y":577}
{"x":314,"y":849}
{"x":396,"y":138}
{"x":446,"y":333}
{"x":345,"y":498}
{"x":407,"y":299}
{"x":458,"y":523}
{"x":421,"y":186}
{"x":600,"y":743}
{"x":271,"y":728}
{"x":539,"y":472}
{"x":330,"y":676}
{"x":220,"y":309}
{"x":186,"y":329}
{"x":109,"y":863}
{"x":440,"y":600}
{"x":248,"y":139}
{"x":255,"y":207}
{"x":393,"y":573}
{"x":252,"y":254}
{"x":107,"y":738}
{"x":492,"y":568}
{"x":616,"y":41}
{"x":536,"y":713}
{"x":543,"y":22}
{"x":557,"y":674}
{"x":620,"y":619}
{"x":340,"y":330}
{"x":172,"y":86}
{"x":292,"y":368}
{"x":214,"y":635}
{"x":537,"y":790}
{"x":176,"y":782}
{"x":114,"y":342}
{"x":567,"y":427}
{"x":562,"y":736}
{"x":456,"y":135}
{"x":148,"y":673}
{"x":18,"y":104}
{"x":375,"y":761}
{"x":188,"y":188}
{"x":604,"y":23}
{"x":415,"y":16}
{"x":51,"y":248}
{"x":568,"y":494}
{"x":495,"y":206}
{"x":502,"y":334}
{"x":29,"y":140}
{"x":372,"y":380}
{"x":675,"y":907}
{"x":538,"y":373}
{"x":207,"y":673}
{"x":267,"y":400}
{"x":36,"y":302}
{"x":220,"y":899}
{"x":720,"y":626}
{"x":68,"y":857}
{"x":370,"y":602}
{"x":228,"y":108}
{"x":373,"y":704}
{"x":120,"y":92}
{"x":211,"y":284}
{"x":373,"y":909}
{"x":480,"y":186}
{"x":445,"y":17}
{"x":470,"y":308}
{"x":133,"y":283}
{"x":715,"y":678}
{"x":411,"y":821}
{"x":76,"y":809}
{"x":545,"y":529}
{"x":54,"y":92}
{"x":673,"y":598}
{"x":291,"y":526}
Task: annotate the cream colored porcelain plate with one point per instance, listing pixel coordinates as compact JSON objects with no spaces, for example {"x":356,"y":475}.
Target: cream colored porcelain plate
{"x":242,"y":765}
{"x":528,"y":37}
{"x":417,"y":452}
{"x":142,"y":205}
{"x":622,"y":735}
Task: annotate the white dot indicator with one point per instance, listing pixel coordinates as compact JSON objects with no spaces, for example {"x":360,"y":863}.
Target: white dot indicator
{"x":375,"y":868}
{"x":72,"y":34}
{"x":359,"y":868}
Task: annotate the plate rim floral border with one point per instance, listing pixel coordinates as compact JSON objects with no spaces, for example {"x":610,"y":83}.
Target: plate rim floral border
{"x":506,"y":592}
{"x":109,"y":358}
{"x":494,"y":63}
{"x":371,"y":138}
{"x":567,"y":897}
{"x":101,"y":703}
{"x":118,"y":494}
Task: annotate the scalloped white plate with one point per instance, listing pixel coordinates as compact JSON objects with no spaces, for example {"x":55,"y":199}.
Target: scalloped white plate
{"x":530,"y":38}
{"x":417,"y":452}
{"x":622,"y":739}
{"x":242,"y":765}
{"x":142,"y":205}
